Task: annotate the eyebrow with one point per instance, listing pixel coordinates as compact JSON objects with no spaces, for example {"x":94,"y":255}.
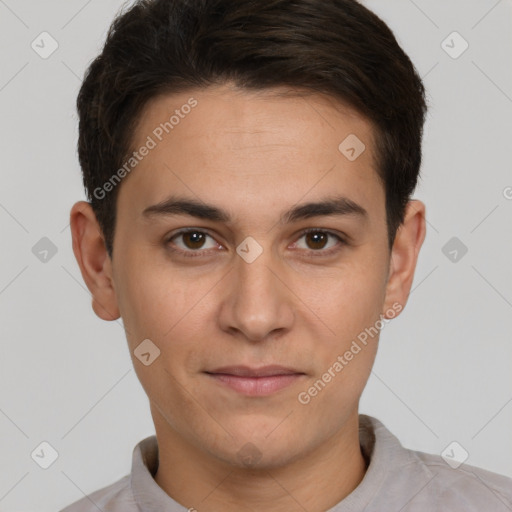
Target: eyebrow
{"x":184,"y":206}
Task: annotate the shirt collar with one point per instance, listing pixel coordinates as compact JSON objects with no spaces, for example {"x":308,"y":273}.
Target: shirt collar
{"x":384,"y":477}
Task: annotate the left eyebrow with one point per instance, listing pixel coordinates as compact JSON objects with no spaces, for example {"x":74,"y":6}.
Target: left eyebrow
{"x":335,"y":206}
{"x":174,"y":205}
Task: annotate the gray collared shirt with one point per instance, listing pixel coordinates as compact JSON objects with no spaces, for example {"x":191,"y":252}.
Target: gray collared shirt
{"x":397,"y":480}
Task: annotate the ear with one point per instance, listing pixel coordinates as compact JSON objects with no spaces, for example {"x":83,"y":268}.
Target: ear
{"x":92,"y":257}
{"x":404,"y":256}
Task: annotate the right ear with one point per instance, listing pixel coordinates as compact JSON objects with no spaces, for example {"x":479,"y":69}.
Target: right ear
{"x":93,"y":260}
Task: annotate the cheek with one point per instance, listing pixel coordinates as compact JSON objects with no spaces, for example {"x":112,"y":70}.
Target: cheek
{"x":168,"y":307}
{"x":350,"y":306}
{"x":154,"y":298}
{"x":349,"y":299}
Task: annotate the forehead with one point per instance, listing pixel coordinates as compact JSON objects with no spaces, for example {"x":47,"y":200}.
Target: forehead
{"x":254,"y":149}
{"x":249,"y":117}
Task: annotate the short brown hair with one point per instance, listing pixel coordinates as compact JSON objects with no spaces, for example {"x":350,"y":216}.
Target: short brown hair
{"x":335,"y":47}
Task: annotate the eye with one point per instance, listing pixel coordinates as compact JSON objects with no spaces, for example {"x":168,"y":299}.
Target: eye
{"x":321,"y":241}
{"x":194,"y":242}
{"x":191,"y":241}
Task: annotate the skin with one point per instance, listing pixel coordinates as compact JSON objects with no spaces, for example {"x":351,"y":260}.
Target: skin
{"x":255,"y":155}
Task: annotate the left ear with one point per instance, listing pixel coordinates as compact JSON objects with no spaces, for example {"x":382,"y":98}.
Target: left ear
{"x":404,"y":256}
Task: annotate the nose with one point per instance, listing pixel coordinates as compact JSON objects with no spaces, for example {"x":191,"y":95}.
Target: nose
{"x":258,"y":304}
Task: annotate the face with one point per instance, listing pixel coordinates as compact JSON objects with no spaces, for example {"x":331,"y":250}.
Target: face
{"x":252,"y":251}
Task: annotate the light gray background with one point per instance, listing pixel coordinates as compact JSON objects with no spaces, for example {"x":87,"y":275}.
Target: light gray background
{"x":443,"y":371}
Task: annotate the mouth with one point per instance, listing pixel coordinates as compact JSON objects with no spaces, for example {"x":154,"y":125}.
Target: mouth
{"x":255,"y":381}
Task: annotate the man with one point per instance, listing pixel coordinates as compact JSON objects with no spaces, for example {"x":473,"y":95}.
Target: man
{"x":250,"y":166}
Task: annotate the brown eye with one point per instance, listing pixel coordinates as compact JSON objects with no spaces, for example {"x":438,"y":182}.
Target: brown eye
{"x":316,"y":239}
{"x":191,"y":241}
{"x":319,"y":242}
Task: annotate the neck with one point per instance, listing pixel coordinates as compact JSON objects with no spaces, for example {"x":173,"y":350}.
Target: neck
{"x":315,"y":481}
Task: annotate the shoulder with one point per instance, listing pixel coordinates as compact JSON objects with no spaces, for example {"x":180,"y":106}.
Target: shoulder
{"x":399,"y":478}
{"x":116,"y":497}
{"x":467,"y":487}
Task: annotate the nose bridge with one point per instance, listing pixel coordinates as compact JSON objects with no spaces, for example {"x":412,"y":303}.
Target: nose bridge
{"x":256,"y":279}
{"x":259,"y":303}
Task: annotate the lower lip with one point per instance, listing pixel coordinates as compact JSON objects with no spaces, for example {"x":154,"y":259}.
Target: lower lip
{"x":256,"y":386}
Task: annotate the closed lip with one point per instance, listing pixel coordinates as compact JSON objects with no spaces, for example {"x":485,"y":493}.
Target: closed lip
{"x":247,"y":371}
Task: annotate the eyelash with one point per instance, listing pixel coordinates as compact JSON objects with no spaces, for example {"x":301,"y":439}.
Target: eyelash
{"x":201,"y":252}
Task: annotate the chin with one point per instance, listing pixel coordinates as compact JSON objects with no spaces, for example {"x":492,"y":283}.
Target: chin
{"x":267,"y":448}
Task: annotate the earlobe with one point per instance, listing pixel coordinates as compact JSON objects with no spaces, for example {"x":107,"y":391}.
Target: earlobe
{"x":93,"y":260}
{"x":404,"y":256}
